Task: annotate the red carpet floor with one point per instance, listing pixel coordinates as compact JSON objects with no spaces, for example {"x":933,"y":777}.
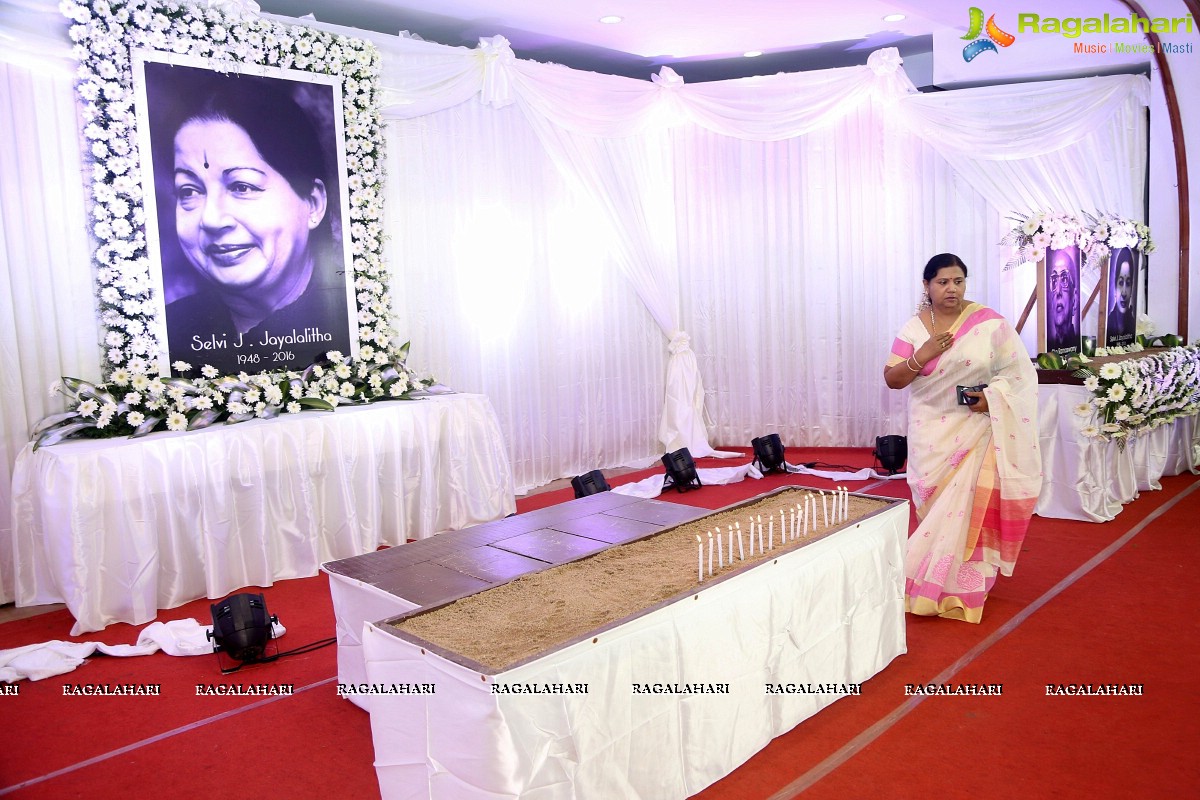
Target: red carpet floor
{"x":1089,"y":603}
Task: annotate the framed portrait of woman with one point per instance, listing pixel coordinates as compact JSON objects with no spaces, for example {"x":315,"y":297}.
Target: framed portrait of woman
{"x":1058,"y":302}
{"x":1118,"y":298}
{"x":247,"y":204}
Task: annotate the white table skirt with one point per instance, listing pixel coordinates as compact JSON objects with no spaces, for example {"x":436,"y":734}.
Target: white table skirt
{"x":830,"y":613}
{"x":1088,"y":479}
{"x":119,"y":528}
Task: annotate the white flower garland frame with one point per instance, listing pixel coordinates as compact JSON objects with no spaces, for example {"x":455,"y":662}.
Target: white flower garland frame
{"x":105,"y":31}
{"x":134,"y":400}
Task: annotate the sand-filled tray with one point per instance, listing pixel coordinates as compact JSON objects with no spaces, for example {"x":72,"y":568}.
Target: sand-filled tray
{"x":505,"y":626}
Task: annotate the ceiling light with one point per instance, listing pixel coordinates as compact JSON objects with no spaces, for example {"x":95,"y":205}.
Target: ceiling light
{"x":752,"y":53}
{"x":611,"y":19}
{"x":893,"y":18}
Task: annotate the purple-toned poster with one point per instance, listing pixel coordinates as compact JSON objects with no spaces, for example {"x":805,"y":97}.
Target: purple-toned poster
{"x":246,"y":206}
{"x":1060,"y":311}
{"x":1121,"y":306}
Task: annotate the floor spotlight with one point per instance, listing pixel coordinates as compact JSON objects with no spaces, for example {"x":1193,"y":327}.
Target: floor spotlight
{"x":891,"y":452}
{"x":681,"y":471}
{"x":768,"y":453}
{"x":241,"y":629}
{"x":591,"y":483}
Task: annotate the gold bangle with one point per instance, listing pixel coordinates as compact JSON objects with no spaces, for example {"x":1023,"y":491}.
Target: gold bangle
{"x":920,"y":366}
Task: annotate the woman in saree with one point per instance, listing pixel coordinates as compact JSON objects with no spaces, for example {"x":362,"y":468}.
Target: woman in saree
{"x":974,"y":469}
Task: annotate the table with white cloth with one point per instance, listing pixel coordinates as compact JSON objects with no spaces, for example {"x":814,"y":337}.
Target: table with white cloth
{"x":818,"y":620}
{"x":119,"y":528}
{"x":1090,"y":479}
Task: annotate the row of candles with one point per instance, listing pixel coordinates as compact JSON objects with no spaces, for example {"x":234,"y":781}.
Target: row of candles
{"x":793,"y":524}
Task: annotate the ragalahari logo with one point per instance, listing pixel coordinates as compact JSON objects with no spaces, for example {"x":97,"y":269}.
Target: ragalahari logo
{"x":995,"y":36}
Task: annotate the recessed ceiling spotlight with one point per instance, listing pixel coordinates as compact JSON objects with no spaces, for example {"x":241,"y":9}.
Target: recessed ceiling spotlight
{"x":893,"y":18}
{"x":752,"y":53}
{"x":611,"y":19}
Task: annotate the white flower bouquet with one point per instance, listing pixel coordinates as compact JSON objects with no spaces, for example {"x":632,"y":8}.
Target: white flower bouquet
{"x":1141,"y":394}
{"x":1040,"y":231}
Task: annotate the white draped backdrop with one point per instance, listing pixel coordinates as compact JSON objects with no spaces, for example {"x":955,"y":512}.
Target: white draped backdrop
{"x":624,"y":267}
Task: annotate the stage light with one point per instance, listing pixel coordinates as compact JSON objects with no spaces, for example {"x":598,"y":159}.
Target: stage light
{"x":891,"y":452}
{"x":768,"y":453}
{"x":681,"y":471}
{"x":241,"y":628}
{"x":591,"y":483}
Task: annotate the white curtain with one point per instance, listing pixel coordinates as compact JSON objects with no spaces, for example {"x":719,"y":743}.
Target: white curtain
{"x":555,"y":235}
{"x":48,"y":322}
{"x":505,"y":282}
{"x":1073,"y":145}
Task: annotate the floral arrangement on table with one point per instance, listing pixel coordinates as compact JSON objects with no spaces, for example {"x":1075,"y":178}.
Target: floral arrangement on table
{"x":1110,"y":232}
{"x":1039,"y":231}
{"x":1140,"y":394}
{"x":134,"y":397}
{"x":136,"y":403}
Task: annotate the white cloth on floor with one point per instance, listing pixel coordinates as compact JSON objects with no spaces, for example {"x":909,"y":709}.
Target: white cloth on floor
{"x":651,"y":487}
{"x":181,"y":637}
{"x":864,"y":474}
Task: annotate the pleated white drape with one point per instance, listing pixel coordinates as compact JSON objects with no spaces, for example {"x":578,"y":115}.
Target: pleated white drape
{"x":48,"y":324}
{"x":617,"y":264}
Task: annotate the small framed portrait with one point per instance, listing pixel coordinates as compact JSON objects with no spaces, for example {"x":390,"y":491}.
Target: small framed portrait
{"x":246,"y":203}
{"x":1119,"y":296}
{"x":1058,"y":302}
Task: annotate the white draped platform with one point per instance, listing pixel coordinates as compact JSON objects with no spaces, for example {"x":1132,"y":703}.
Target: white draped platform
{"x":119,"y":528}
{"x":1089,"y":479}
{"x":822,"y":617}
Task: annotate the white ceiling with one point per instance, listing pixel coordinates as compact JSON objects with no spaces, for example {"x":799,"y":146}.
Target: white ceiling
{"x":700,"y":36}
{"x":701,"y":39}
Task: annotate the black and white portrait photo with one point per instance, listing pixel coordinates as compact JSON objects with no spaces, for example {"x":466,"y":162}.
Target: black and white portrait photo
{"x":249,"y":205}
{"x":1061,"y":308}
{"x":1121,"y":319}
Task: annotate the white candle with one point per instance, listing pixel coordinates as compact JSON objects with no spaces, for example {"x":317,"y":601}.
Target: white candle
{"x":806,"y":516}
{"x":720,"y":549}
{"x":760,"y":539}
{"x":845,"y":503}
{"x":700,"y":557}
{"x":771,"y":532}
{"x":825,"y":507}
{"x":741,"y":552}
{"x":710,"y":552}
{"x":731,"y":545}
{"x":782,"y":528}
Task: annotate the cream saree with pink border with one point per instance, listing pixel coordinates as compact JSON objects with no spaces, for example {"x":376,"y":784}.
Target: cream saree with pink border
{"x":974,"y":476}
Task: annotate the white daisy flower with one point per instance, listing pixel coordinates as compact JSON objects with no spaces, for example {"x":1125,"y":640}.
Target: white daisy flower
{"x":1084,"y":409}
{"x":176,"y":421}
{"x":135,"y":418}
{"x":1116,"y":393}
{"x":1110,"y":372}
